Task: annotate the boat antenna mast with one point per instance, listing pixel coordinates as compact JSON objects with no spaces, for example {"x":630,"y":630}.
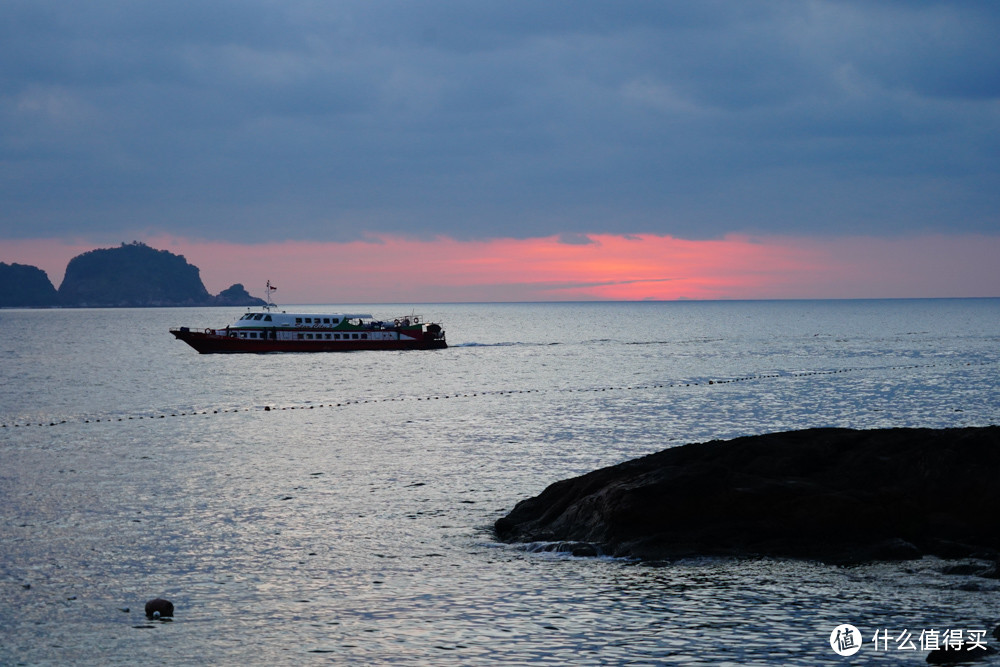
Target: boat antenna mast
{"x":270,"y":288}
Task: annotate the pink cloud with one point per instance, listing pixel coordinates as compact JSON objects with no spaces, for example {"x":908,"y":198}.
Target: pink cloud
{"x":633,"y":267}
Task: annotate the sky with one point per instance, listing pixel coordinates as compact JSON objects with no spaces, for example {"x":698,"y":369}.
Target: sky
{"x":402,"y":151}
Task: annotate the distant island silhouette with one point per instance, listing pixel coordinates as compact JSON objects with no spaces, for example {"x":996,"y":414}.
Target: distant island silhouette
{"x":132,"y":275}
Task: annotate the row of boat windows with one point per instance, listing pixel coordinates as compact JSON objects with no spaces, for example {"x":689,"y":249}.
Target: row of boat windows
{"x":309,"y":336}
{"x":298,"y":320}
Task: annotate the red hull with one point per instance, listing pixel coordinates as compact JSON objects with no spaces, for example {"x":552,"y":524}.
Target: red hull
{"x":210,"y":343}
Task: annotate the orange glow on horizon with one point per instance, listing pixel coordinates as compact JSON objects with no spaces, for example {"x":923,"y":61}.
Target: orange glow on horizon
{"x":387,"y":269}
{"x":542,"y":269}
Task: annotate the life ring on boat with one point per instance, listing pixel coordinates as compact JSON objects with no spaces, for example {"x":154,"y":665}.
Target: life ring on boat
{"x":416,"y":320}
{"x":209,"y":331}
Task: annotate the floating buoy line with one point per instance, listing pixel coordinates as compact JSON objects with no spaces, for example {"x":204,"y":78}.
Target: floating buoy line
{"x":478,"y":394}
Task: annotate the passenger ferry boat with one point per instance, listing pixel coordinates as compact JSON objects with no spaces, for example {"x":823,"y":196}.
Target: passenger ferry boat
{"x":270,"y":331}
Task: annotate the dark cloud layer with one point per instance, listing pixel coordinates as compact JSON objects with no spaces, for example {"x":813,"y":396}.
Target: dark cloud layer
{"x":304,"y":119}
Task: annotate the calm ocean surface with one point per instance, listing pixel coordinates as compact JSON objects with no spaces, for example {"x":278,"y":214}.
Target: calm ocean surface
{"x":350,"y":522}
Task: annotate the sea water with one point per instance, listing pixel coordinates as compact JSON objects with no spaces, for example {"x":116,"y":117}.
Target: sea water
{"x":337,"y":508}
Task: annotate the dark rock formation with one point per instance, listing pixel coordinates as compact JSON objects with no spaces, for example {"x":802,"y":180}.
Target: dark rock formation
{"x":135,"y":275}
{"x":25,"y":286}
{"x":159,"y":608}
{"x":967,"y":652}
{"x":131,"y":275}
{"x":836,"y":495}
{"x":237,"y":295}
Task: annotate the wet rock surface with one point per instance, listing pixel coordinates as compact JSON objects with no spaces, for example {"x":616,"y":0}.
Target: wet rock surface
{"x":159,"y":608}
{"x":963,"y":654}
{"x":835,"y":495}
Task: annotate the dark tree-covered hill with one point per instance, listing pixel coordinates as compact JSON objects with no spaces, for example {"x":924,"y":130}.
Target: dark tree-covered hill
{"x":25,"y":286}
{"x":136,"y":275}
{"x":132,"y":275}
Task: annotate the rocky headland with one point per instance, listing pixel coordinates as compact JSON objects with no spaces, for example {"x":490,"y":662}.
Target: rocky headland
{"x":26,"y":286}
{"x":835,"y":495}
{"x":133,"y":275}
